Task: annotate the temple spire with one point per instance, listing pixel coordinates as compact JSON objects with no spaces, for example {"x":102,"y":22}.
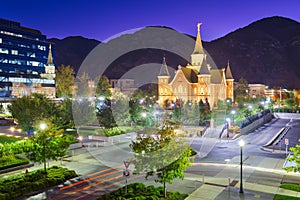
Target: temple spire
{"x":164,"y":68}
{"x":198,"y":45}
{"x":50,"y":58}
{"x":228,"y":73}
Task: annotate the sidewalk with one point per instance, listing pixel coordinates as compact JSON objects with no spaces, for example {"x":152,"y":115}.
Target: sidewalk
{"x":209,"y":191}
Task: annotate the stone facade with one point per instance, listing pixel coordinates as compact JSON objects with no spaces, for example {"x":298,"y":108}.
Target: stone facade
{"x":197,"y":81}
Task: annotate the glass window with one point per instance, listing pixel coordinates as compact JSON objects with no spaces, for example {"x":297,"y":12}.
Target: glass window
{"x":40,"y":47}
{"x":14,"y":52}
{"x":0,"y":40}
{"x":3,"y":50}
{"x":34,"y":63}
{"x":30,"y":54}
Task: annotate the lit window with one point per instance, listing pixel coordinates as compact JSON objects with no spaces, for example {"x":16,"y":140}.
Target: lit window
{"x":14,"y":52}
{"x":0,"y":40}
{"x":34,"y":63}
{"x":40,"y":47}
{"x":3,"y":50}
{"x":30,"y":54}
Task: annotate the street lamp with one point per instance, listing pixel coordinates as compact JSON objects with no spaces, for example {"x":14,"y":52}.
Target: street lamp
{"x":233,"y":113}
{"x":144,"y":115}
{"x":43,"y":126}
{"x":241,"y":144}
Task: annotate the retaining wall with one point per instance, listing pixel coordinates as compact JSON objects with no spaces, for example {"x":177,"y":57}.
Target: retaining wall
{"x":257,"y":123}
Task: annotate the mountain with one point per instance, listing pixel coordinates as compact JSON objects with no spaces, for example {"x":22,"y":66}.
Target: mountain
{"x":72,"y":50}
{"x":266,"y":51}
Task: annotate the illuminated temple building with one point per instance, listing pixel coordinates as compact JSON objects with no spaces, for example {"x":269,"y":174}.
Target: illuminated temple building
{"x":196,"y":81}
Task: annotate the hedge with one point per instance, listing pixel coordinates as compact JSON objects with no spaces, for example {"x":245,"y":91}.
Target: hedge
{"x":19,"y":185}
{"x":12,"y":161}
{"x":139,"y":191}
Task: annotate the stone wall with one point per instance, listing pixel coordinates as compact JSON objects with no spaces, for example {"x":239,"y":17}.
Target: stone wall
{"x":257,"y":123}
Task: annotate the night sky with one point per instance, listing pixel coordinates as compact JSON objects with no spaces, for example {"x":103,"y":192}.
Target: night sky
{"x":99,"y":19}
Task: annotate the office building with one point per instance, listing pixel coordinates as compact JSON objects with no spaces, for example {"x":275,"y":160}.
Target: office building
{"x":27,"y":61}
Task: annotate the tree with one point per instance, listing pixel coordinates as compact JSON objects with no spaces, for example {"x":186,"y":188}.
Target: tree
{"x":64,"y":117}
{"x":135,"y":110}
{"x":104,"y":114}
{"x":29,"y":109}
{"x":295,"y":157}
{"x":103,"y":103}
{"x":103,"y":87}
{"x":162,"y":154}
{"x":148,"y":90}
{"x":83,"y":112}
{"x":291,"y":101}
{"x":120,"y":108}
{"x":65,"y":77}
{"x":82,"y":83}
{"x":202,"y":113}
{"x":241,"y":92}
{"x":47,"y":143}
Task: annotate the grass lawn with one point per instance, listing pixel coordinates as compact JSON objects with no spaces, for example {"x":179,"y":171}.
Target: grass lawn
{"x":293,"y":187}
{"x":284,"y":197}
{"x":99,"y":131}
{"x":7,"y":139}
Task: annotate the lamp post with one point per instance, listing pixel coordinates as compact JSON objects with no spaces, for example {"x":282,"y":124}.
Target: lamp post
{"x":233,"y":113}
{"x":43,"y":126}
{"x":241,"y":144}
{"x":144,"y":115}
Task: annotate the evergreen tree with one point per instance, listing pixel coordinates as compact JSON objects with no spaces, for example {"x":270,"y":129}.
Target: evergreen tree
{"x":64,"y":81}
{"x":103,"y":88}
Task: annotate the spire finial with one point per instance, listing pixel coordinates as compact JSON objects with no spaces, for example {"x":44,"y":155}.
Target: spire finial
{"x":198,"y":45}
{"x":50,"y":58}
{"x":164,"y":68}
{"x":198,"y":26}
{"x":228,"y":73}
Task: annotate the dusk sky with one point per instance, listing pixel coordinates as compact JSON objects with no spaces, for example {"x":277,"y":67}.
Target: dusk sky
{"x":99,"y":19}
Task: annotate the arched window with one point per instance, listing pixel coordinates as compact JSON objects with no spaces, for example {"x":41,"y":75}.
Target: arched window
{"x":180,"y":89}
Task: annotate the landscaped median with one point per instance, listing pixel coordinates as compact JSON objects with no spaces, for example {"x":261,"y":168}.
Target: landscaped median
{"x":22,"y":184}
{"x":142,"y":192}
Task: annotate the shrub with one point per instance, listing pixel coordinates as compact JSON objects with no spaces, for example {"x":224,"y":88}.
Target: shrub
{"x":7,"y":139}
{"x":138,"y":191}
{"x":113,"y":131}
{"x":15,"y":186}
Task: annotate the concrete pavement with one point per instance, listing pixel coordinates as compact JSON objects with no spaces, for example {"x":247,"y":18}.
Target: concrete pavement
{"x":207,"y":191}
{"x":256,"y":184}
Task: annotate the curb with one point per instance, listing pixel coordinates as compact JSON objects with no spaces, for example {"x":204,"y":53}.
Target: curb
{"x":16,"y":168}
